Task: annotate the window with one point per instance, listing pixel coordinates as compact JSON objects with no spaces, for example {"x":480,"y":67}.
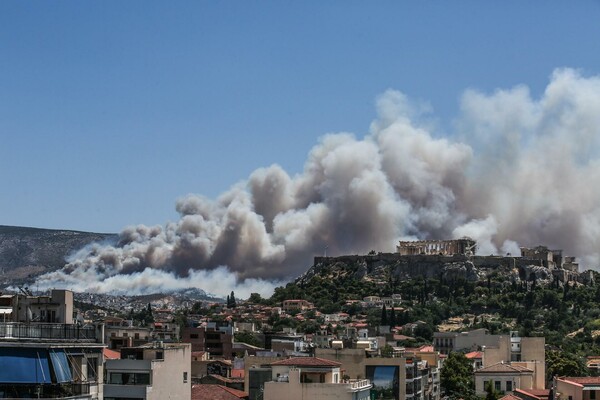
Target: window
{"x":185,"y":378}
{"x":497,"y":386}
{"x":193,"y":336}
{"x":91,"y":369}
{"x":127,"y":378}
{"x":509,"y":386}
{"x":159,"y":355}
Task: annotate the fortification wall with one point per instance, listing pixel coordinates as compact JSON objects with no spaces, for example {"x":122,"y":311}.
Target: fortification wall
{"x":457,"y":266}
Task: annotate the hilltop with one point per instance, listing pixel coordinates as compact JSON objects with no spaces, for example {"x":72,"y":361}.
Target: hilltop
{"x":28,"y":252}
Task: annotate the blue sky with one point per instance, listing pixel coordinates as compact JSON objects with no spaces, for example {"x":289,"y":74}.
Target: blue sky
{"x":110,"y":111}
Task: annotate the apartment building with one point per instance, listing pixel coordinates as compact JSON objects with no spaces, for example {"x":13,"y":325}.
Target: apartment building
{"x":576,"y":388}
{"x":43,"y":354}
{"x":406,"y":377}
{"x":212,"y":338}
{"x":505,"y":378}
{"x":296,"y":305}
{"x":304,"y":378}
{"x":156,"y":371}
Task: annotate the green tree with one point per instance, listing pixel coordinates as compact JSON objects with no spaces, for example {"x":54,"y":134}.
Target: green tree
{"x":384,"y":318}
{"x":562,"y":363}
{"x":457,"y":377}
{"x":231,"y":301}
{"x":255,"y":298}
{"x":387,"y":351}
{"x":424,"y":331}
{"x":490,"y":391}
{"x":248,"y":338}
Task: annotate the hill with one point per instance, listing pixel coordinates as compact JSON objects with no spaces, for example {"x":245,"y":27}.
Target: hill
{"x":439,"y":295}
{"x":28,"y":252}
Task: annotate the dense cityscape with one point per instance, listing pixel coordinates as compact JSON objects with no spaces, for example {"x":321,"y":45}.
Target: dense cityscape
{"x":440,"y":333}
{"x":299,"y":200}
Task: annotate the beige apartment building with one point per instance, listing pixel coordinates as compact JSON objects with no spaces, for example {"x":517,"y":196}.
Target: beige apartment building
{"x":577,"y":388}
{"x":411,"y":376}
{"x":308,"y":378}
{"x":505,"y":378}
{"x":157,"y":371}
{"x":25,"y":307}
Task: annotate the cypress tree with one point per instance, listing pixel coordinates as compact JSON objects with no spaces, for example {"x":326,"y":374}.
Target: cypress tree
{"x":384,"y":318}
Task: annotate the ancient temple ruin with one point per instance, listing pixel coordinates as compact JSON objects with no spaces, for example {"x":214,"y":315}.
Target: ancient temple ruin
{"x":464,"y":246}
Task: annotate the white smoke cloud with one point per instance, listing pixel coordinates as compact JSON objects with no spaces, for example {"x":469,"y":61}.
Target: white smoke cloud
{"x":517,"y":170}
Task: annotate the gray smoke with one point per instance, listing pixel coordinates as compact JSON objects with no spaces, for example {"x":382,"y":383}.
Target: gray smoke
{"x":518,"y":171}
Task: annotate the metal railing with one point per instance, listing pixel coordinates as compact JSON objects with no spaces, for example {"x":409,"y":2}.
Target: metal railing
{"x":45,"y":391}
{"x":18,"y":330}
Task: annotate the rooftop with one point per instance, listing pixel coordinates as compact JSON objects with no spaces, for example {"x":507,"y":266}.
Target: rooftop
{"x":582,"y":380}
{"x":503,"y":368}
{"x":307,"y":362}
{"x":216,"y":392}
{"x":474,"y":354}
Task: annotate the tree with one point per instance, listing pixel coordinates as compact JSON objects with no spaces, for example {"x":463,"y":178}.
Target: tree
{"x":490,"y":391}
{"x":384,"y":319}
{"x":457,"y":377}
{"x":247,"y":337}
{"x":424,"y":331}
{"x":387,"y":351}
{"x":255,"y":298}
{"x":231,"y":301}
{"x":562,"y":363}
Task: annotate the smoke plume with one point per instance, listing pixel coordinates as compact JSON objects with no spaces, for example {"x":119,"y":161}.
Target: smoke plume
{"x":517,"y":171}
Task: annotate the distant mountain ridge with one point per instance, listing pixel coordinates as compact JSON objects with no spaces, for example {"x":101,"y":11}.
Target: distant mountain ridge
{"x":28,"y":252}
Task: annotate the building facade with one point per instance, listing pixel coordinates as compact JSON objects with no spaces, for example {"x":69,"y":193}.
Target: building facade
{"x":304,"y":378}
{"x":157,"y":371}
{"x":51,"y":360}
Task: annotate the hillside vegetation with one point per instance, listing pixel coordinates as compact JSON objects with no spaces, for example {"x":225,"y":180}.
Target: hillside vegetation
{"x":566,"y":314}
{"x":28,"y":252}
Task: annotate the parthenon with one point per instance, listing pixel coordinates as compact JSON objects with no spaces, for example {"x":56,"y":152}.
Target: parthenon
{"x":463,"y":245}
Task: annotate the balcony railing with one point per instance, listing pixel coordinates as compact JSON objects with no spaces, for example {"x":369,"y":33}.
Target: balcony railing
{"x":359,"y":384}
{"x":37,"y":331}
{"x":45,"y":391}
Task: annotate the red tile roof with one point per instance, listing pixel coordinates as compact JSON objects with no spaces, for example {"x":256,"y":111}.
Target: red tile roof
{"x":474,"y":354}
{"x":111,"y":354}
{"x":216,"y":392}
{"x":510,"y":397}
{"x":536,"y":393}
{"x":582,"y":380}
{"x":237,"y":373}
{"x":307,"y":362}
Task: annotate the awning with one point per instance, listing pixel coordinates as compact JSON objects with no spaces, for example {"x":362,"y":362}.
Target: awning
{"x":5,"y":311}
{"x":26,"y":365}
{"x":60,"y":365}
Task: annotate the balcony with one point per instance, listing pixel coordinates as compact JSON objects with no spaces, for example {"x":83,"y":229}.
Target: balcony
{"x":40,"y":331}
{"x":46,"y":391}
{"x":358,"y":385}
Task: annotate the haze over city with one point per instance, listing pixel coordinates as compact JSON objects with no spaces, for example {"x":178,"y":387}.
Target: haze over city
{"x":230,"y":143}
